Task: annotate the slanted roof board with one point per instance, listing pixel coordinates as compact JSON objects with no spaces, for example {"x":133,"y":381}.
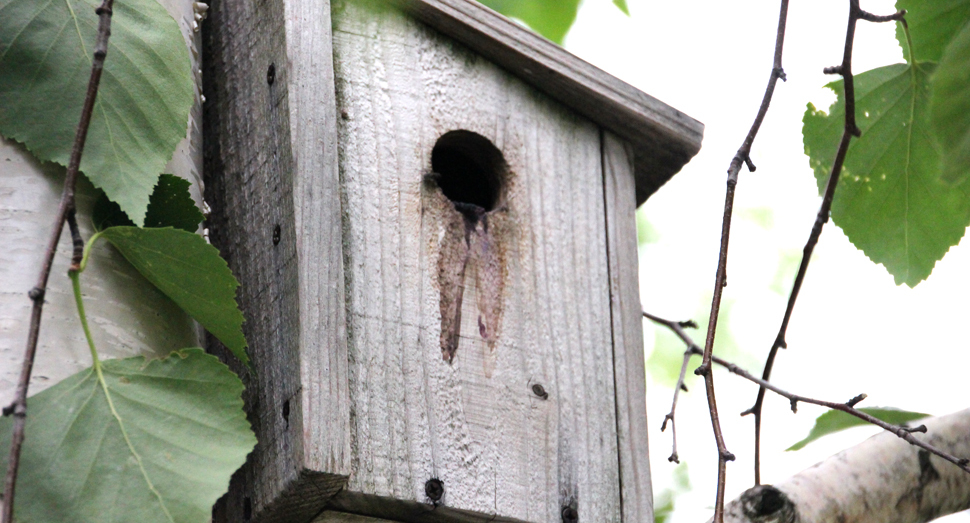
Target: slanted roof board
{"x":664,"y":138}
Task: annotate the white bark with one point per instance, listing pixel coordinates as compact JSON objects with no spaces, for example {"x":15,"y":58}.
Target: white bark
{"x":882,"y":480}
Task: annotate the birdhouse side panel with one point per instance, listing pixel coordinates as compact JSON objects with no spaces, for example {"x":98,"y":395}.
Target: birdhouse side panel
{"x":479,"y":333}
{"x":631,"y":406}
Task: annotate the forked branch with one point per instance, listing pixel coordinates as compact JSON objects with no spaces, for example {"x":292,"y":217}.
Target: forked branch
{"x":850,"y":129}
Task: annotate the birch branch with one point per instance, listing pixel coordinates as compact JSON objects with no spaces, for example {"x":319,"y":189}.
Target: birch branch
{"x":882,"y":480}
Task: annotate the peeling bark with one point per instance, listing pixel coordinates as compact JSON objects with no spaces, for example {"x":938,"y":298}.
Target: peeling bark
{"x":881,"y":480}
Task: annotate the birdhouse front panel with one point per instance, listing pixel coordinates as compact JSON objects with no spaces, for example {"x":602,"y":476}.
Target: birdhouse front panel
{"x":478,"y":286}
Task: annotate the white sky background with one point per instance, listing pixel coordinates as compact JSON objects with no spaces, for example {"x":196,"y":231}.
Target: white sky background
{"x":853,"y":330}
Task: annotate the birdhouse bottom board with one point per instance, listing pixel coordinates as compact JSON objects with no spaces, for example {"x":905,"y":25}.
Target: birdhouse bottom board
{"x":490,"y":270}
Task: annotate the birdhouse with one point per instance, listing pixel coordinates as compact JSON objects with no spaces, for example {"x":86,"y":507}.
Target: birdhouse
{"x":431,"y":212}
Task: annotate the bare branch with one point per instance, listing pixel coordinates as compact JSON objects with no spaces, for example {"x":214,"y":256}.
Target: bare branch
{"x":848,"y":407}
{"x":678,"y":328}
{"x":65,"y":211}
{"x":850,"y":130}
{"x":720,"y":281}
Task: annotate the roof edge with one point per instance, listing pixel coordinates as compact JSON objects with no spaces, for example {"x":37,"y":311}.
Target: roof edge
{"x":664,"y":139}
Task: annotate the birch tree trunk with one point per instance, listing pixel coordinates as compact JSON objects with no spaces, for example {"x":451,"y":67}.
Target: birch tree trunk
{"x":881,"y":480}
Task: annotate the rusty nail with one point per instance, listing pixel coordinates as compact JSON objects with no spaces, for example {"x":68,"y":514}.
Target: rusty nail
{"x":569,"y":515}
{"x":434,"y":489}
{"x":271,"y":74}
{"x":540,"y":391}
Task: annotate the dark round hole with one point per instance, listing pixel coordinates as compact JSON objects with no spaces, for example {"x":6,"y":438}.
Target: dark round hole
{"x":434,"y":489}
{"x":271,"y":74}
{"x":469,"y":169}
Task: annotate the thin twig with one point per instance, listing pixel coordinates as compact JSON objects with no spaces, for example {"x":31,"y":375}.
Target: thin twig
{"x":678,"y":328}
{"x":850,"y":130}
{"x":848,"y":407}
{"x":743,"y":156}
{"x":65,"y":211}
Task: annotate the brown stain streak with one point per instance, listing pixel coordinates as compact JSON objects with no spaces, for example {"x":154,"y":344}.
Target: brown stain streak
{"x":468,"y":241}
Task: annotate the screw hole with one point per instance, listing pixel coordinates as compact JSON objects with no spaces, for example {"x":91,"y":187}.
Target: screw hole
{"x":540,"y":391}
{"x":271,"y":74}
{"x":434,"y":489}
{"x":470,"y":170}
{"x":569,"y":515}
{"x":276,"y":235}
{"x":286,"y":412}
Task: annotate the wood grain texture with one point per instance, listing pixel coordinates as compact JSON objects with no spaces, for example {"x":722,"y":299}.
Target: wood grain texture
{"x":664,"y":138}
{"x":270,"y":163}
{"x":318,"y":225}
{"x":631,"y":408}
{"x":475,"y":423}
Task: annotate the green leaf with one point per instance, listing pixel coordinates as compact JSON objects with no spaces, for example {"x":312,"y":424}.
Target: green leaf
{"x":170,"y":205}
{"x":835,"y":421}
{"x":190,"y":272}
{"x":143,"y":103}
{"x":621,"y":4}
{"x":550,"y":18}
{"x":890,"y":201}
{"x":156,"y":441}
{"x":932,"y":25}
{"x":950,"y":108}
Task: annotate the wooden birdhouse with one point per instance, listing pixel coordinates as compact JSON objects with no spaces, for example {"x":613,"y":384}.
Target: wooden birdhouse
{"x":431,"y":212}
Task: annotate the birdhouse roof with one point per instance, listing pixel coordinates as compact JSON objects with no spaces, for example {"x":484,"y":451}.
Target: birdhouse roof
{"x":663,"y":138}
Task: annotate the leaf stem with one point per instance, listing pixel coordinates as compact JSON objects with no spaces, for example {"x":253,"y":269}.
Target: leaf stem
{"x":78,"y":300}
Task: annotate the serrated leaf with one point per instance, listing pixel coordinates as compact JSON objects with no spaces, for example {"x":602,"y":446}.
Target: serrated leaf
{"x":835,"y":421}
{"x":170,"y":205}
{"x":190,"y":272}
{"x":550,"y":18}
{"x":155,"y":442}
{"x":890,"y":201}
{"x":950,"y":108}
{"x":142,"y":108}
{"x":932,"y":25}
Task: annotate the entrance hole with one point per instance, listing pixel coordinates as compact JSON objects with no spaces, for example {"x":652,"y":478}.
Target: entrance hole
{"x":469,"y":169}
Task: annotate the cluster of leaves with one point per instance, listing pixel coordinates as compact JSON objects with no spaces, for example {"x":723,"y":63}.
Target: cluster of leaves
{"x":132,"y":439}
{"x":903,"y":197}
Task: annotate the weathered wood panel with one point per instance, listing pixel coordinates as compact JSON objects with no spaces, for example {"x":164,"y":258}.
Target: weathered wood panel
{"x":272,"y":183}
{"x":664,"y":138}
{"x":475,"y":423}
{"x":631,"y":408}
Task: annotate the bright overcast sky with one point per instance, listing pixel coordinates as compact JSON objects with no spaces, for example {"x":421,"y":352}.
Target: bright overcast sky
{"x":853,"y":330}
